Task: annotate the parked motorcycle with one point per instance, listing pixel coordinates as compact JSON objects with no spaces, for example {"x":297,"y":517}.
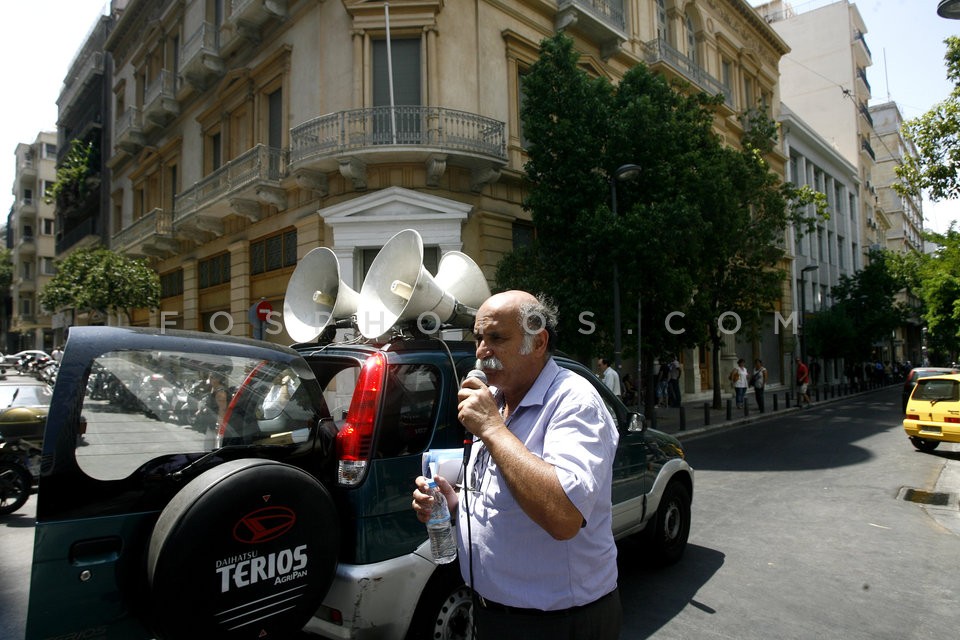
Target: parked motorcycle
{"x":19,"y":470}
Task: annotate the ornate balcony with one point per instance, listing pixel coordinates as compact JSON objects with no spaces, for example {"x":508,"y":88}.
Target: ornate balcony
{"x":659,"y":54}
{"x":27,"y":246}
{"x":151,"y":235}
{"x":600,"y":20}
{"x":26,"y":170}
{"x":160,"y":104}
{"x":239,"y":187}
{"x":249,"y":16}
{"x":350,"y":140}
{"x":129,"y":131}
{"x":84,"y":71}
{"x":202,"y":62}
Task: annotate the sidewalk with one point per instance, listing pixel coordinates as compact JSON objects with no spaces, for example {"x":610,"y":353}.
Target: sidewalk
{"x":692,"y":419}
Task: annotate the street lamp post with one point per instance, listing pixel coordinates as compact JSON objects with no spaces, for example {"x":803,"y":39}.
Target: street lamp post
{"x":622,"y":173}
{"x":803,"y":293}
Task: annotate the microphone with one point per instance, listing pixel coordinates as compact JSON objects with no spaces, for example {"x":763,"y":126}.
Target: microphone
{"x":468,"y":437}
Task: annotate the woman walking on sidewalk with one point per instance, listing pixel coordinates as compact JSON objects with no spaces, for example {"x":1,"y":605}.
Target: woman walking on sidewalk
{"x":740,"y":378}
{"x":759,"y":380}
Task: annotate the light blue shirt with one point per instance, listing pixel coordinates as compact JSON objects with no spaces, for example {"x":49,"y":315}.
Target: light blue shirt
{"x":563,"y":420}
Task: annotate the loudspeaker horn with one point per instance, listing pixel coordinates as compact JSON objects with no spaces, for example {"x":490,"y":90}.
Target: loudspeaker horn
{"x":398,"y":288}
{"x":316,"y":296}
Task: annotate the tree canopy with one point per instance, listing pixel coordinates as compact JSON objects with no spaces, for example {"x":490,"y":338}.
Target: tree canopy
{"x":698,"y":231}
{"x":936,"y":137}
{"x":864,"y":313}
{"x":99,"y":279}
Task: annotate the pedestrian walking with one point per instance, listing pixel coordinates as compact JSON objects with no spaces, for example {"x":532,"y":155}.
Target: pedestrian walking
{"x":610,"y":377}
{"x":803,"y":382}
{"x":759,"y":382}
{"x":673,"y":385}
{"x":739,"y":377}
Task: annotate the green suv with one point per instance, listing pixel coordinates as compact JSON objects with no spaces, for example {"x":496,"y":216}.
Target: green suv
{"x":200,"y":486}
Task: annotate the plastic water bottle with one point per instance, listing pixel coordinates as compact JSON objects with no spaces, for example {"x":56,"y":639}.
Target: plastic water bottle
{"x":443,"y":546}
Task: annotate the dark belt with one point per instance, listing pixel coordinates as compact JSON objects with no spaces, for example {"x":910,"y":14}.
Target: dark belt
{"x":490,"y":605}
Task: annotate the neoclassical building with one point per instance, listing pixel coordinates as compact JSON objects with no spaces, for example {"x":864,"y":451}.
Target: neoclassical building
{"x":244,"y":133}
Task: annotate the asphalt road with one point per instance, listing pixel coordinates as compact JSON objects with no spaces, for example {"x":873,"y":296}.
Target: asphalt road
{"x":798,"y":532}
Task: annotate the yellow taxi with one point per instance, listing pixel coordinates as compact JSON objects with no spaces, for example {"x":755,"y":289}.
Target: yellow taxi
{"x":933,"y":412}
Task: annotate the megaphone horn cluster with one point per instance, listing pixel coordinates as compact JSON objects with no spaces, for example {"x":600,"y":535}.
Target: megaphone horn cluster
{"x":398,"y":289}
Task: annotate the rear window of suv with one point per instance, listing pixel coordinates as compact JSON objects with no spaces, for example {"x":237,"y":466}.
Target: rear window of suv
{"x":143,"y":405}
{"x":407,"y":410}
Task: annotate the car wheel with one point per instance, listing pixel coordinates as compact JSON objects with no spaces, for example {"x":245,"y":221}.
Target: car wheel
{"x":924,"y":445}
{"x":247,"y":549}
{"x":445,"y":610}
{"x":670,"y":528}
{"x":15,"y":484}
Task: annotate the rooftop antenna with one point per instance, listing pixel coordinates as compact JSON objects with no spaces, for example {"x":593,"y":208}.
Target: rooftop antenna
{"x":886,"y":76}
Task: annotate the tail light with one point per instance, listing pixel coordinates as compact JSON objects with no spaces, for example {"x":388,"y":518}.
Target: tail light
{"x":355,"y":438}
{"x":912,"y":416}
{"x":952,"y":420}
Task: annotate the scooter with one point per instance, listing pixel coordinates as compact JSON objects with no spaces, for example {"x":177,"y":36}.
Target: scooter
{"x":19,"y":471}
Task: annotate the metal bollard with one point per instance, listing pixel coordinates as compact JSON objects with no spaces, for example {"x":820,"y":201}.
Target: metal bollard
{"x":706,"y":414}
{"x":774,"y":402}
{"x":729,"y":409}
{"x":746,"y":407}
{"x":683,"y":418}
{"x":653,"y":418}
{"x":786,"y":398}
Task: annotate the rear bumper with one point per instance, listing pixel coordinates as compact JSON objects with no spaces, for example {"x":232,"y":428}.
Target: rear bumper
{"x":936,"y":431}
{"x":375,"y":601}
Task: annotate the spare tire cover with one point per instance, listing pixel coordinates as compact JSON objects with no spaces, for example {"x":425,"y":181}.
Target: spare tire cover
{"x":247,"y":549}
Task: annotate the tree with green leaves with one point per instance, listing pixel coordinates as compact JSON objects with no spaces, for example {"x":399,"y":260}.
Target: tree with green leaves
{"x":97,"y":279}
{"x":6,"y":269}
{"x":864,"y":314}
{"x":937,"y":282}
{"x":699,"y":230}
{"x":936,"y":137}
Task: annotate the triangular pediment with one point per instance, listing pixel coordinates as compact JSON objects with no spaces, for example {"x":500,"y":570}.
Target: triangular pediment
{"x":395,"y":204}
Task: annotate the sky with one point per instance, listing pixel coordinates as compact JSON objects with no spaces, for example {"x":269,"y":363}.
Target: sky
{"x":904,"y":36}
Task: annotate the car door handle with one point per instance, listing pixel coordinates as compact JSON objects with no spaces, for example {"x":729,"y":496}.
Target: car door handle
{"x":95,"y":550}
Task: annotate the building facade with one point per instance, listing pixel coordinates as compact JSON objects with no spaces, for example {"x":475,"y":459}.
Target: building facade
{"x":243,"y":133}
{"x":905,"y":214}
{"x":832,"y":250}
{"x":824,"y":81}
{"x":31,"y":241}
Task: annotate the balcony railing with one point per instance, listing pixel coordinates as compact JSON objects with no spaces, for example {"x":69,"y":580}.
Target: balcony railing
{"x":862,"y":74}
{"x":437,"y":128}
{"x":660,"y":50}
{"x":257,"y":166}
{"x":865,"y":145}
{"x":156,"y":223}
{"x":90,"y":67}
{"x":859,"y":36}
{"x":865,"y":112}
{"x":609,"y":11}
{"x":129,"y":130}
{"x":201,"y":56}
{"x":160,"y":99}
